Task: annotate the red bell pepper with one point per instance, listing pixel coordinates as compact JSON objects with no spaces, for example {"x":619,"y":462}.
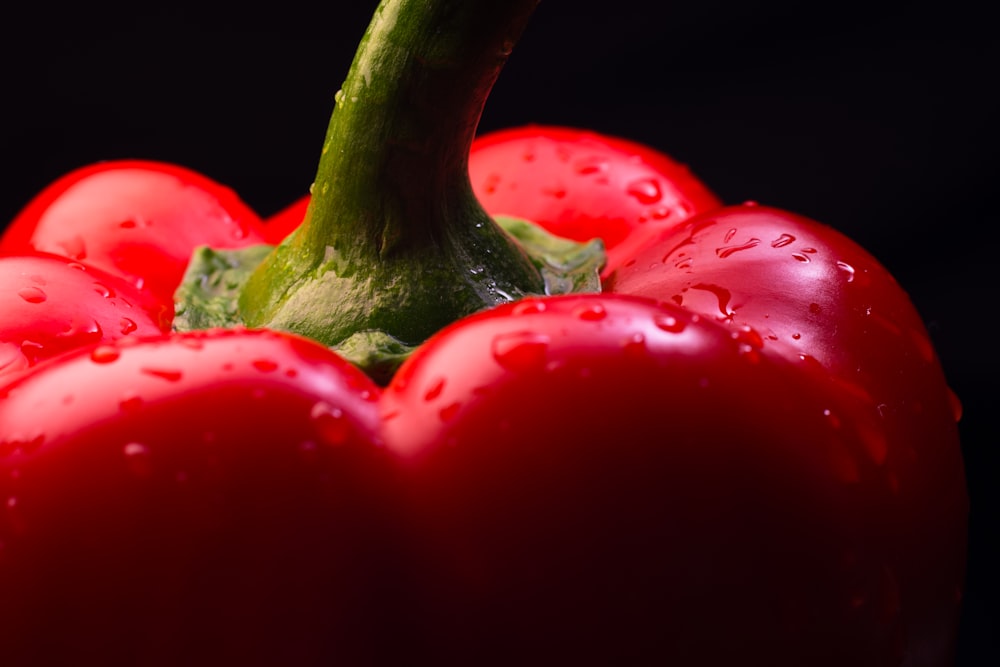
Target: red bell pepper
{"x":733,"y":445}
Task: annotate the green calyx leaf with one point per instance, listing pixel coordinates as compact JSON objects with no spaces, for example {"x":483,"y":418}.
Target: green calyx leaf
{"x":566,"y":266}
{"x":208,"y":293}
{"x":377,"y":353}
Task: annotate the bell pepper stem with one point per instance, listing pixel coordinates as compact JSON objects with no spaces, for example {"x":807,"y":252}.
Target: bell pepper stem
{"x":393,"y":239}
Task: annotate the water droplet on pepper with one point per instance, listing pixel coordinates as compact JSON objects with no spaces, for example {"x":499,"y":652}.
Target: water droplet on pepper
{"x":635,"y":347}
{"x":434,"y":390}
{"x":659,"y":213}
{"x":138,"y":458}
{"x":169,"y":375}
{"x":645,"y":190}
{"x":555,"y":191}
{"x":668,"y":323}
{"x":331,"y":423}
{"x":782,"y":241}
{"x":726,"y":251}
{"x":264,"y":365}
{"x":528,"y":307}
{"x":847,"y":269}
{"x":520,"y":351}
{"x":104,"y":354}
{"x":591,"y":165}
{"x":591,"y":312}
{"x":32,"y":294}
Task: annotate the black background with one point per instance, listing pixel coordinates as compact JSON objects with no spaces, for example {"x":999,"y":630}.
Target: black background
{"x":875,"y":118}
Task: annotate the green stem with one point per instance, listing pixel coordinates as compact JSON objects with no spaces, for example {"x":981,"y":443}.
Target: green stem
{"x":394,"y":239}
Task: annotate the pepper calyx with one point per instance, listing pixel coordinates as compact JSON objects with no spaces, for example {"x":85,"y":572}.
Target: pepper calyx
{"x":209,"y":294}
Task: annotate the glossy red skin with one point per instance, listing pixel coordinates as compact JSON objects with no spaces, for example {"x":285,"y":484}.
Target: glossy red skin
{"x":51,"y":305}
{"x":213,"y":520}
{"x":582,"y":185}
{"x":814,"y":296}
{"x":203,"y":499}
{"x":602,"y":480}
{"x":137,"y":219}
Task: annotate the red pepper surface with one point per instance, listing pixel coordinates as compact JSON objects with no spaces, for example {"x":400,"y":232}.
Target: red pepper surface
{"x":52,"y":304}
{"x":742,"y":451}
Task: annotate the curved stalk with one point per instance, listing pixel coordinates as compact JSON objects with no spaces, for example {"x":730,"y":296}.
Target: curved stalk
{"x":394,"y":240}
